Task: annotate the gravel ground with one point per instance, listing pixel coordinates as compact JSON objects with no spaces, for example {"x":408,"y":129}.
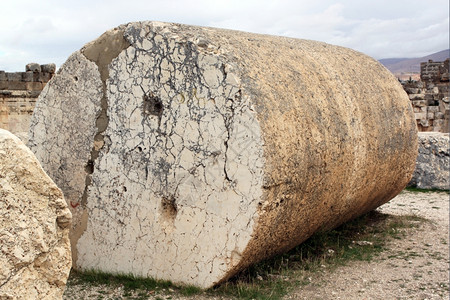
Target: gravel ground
{"x":413,"y":267}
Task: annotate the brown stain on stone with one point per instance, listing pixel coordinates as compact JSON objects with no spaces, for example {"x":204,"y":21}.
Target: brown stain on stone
{"x":76,"y":233}
{"x":104,"y":49}
{"x":101,"y":51}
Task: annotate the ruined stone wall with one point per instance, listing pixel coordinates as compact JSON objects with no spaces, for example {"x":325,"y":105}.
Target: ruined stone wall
{"x":18,"y":94}
{"x":434,"y":71}
{"x":430,"y":96}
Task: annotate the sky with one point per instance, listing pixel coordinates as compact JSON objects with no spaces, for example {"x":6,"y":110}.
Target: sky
{"x":48,"y":31}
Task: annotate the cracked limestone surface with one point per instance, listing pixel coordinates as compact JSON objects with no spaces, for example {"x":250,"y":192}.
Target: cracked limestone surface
{"x":71,"y":108}
{"x":205,"y":150}
{"x":35,"y":251}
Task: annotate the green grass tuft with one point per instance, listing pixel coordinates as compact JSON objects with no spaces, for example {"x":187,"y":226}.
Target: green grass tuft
{"x":419,"y":190}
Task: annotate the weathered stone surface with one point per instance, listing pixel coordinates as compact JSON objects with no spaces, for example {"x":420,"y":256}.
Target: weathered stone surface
{"x":16,"y":76}
{"x":35,"y":257}
{"x":48,"y":68}
{"x":189,"y":153}
{"x":433,"y":163}
{"x":33,"y":67}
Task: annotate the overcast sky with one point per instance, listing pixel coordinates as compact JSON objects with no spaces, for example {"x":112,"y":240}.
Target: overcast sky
{"x":46,"y":31}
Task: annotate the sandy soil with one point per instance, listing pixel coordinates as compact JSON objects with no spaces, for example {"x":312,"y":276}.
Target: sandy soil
{"x":413,"y":267}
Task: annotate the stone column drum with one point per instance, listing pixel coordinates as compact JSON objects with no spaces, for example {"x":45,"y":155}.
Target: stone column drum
{"x":189,"y":153}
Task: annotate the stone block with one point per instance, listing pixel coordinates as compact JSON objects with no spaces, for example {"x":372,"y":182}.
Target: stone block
{"x":33,"y":95}
{"x":14,"y":76}
{"x":196,"y":163}
{"x":419,"y":103}
{"x":5,"y":93}
{"x":33,"y":67}
{"x":28,"y":76}
{"x":424,"y":122}
{"x":420,"y":116}
{"x":48,"y":68}
{"x":34,"y":86}
{"x":439,"y":115}
{"x":433,"y":108}
{"x":438,"y":125}
{"x":34,"y":233}
{"x":429,"y":97}
{"x":44,"y":77}
{"x":411,"y":90}
{"x":432,"y":166}
{"x":416,"y":96}
{"x":3,"y":76}
{"x":17,"y":85}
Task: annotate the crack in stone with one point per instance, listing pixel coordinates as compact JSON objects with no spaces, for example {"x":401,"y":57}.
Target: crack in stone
{"x":180,"y":161}
{"x":101,"y":52}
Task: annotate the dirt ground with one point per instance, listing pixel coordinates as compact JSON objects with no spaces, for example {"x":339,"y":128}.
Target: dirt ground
{"x":413,"y":267}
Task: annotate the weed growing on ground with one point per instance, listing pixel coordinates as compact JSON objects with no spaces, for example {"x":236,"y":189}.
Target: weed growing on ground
{"x":131,"y":284}
{"x":360,"y":239}
{"x":419,"y":190}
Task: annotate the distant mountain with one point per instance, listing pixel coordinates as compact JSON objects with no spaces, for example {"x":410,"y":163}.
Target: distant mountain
{"x":412,"y":65}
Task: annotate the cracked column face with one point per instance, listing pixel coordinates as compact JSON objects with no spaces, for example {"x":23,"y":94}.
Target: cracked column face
{"x":189,"y":153}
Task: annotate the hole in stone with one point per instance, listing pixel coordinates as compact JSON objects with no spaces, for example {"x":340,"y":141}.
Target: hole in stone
{"x":139,"y":149}
{"x":152,"y":105}
{"x":168,"y":208}
{"x":89,"y":168}
{"x":124,"y":188}
{"x":76,"y":78}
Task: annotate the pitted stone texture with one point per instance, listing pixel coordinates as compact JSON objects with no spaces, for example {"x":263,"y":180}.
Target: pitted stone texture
{"x":433,"y":163}
{"x":222,"y":148}
{"x":74,"y":106}
{"x":35,"y":251}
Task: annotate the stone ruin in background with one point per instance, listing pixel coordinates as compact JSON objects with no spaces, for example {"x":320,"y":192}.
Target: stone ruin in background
{"x":18,"y":94}
{"x":430,"y":96}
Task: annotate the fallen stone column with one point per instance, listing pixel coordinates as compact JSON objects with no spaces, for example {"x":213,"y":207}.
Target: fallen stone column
{"x":189,"y":153}
{"x":35,"y":256}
